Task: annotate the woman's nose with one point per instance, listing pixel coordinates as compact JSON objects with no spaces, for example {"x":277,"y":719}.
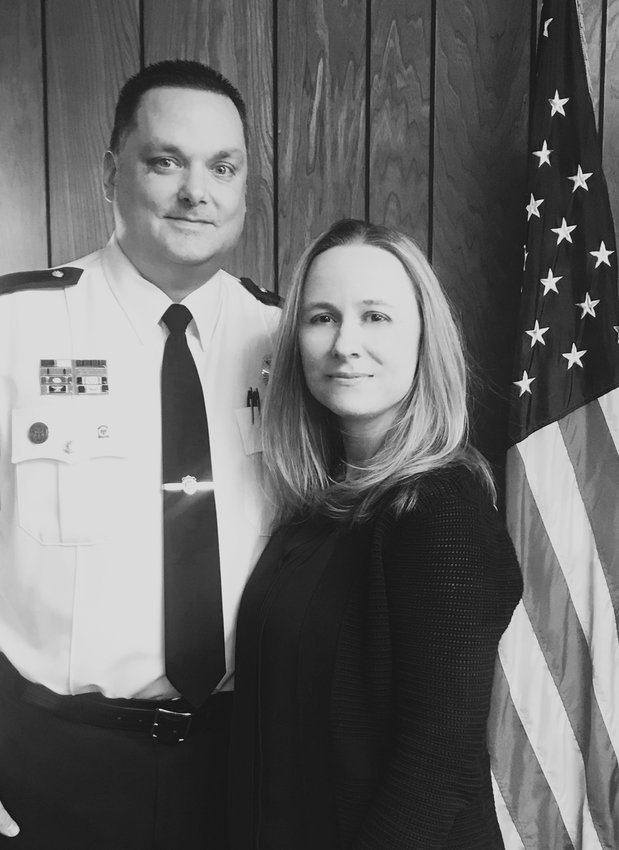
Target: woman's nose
{"x":347,"y":341}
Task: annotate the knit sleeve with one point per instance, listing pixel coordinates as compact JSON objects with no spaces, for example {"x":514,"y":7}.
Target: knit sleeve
{"x":452,"y":582}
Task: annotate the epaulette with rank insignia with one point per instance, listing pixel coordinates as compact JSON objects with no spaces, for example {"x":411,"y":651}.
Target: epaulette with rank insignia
{"x":264,"y":295}
{"x":42,"y":279}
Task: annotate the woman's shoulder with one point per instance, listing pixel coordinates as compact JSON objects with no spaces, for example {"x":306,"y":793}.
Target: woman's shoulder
{"x":446,"y":488}
{"x":453,"y":527}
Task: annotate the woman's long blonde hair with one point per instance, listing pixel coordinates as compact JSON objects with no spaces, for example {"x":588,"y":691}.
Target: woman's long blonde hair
{"x":302,"y":440}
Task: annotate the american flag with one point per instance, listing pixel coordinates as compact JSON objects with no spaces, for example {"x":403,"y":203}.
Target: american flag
{"x":554,"y":722}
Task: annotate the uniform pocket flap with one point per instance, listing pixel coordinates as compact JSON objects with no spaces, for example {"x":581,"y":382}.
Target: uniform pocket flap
{"x":69,"y":433}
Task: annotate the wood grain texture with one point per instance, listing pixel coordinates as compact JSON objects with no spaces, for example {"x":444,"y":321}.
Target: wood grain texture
{"x":482,"y":83}
{"x":92,"y":48}
{"x":321,"y":120}
{"x":592,"y":23}
{"x":23,"y":235}
{"x":400,"y":71}
{"x":611,"y":109}
{"x":236,"y":38}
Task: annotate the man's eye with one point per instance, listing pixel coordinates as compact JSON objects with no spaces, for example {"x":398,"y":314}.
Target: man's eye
{"x":224,"y":169}
{"x":164,"y":163}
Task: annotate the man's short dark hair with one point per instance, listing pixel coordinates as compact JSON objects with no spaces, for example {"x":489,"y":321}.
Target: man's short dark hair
{"x":177,"y":73}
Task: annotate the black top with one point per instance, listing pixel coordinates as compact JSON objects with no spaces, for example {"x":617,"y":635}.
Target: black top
{"x":364,"y":668}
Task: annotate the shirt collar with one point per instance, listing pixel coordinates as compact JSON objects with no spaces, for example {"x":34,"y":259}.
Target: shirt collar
{"x":144,"y":303}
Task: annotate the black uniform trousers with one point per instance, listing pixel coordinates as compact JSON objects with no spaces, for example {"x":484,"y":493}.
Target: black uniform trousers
{"x":74,"y":786}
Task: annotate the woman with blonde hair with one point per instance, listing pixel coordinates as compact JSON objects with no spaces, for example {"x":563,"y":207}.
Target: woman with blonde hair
{"x":368,"y":631}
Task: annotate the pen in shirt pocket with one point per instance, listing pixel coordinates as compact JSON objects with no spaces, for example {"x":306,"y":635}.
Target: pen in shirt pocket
{"x":253,"y":402}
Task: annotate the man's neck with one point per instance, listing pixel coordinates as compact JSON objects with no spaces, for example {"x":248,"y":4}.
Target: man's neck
{"x":176,"y":280}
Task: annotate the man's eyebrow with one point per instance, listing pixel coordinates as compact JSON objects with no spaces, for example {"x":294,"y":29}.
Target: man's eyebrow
{"x":160,"y":145}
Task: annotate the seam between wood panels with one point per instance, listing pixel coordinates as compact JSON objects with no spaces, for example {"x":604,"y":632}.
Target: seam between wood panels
{"x":368,"y":105}
{"x":275,"y":113}
{"x":47,"y":181}
{"x":431,"y":130}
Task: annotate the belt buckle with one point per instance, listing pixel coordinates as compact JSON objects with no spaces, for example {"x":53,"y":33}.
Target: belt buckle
{"x":170,"y":727}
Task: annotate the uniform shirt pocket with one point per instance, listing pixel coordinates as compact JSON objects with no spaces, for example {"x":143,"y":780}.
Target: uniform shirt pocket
{"x":70,"y":462}
{"x":258,"y":507}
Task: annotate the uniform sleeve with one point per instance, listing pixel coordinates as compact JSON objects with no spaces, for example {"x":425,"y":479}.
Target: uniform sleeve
{"x":450,"y":593}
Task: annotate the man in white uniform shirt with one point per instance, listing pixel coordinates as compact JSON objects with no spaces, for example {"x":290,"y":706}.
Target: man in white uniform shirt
{"x":87,"y":757}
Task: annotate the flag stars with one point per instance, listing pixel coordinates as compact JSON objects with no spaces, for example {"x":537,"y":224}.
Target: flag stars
{"x":564,"y":232}
{"x":533,"y":207}
{"x":524,"y":385}
{"x":557,"y":103}
{"x":588,"y":306}
{"x":602,"y":255}
{"x":543,"y":154}
{"x":574,"y":356}
{"x":537,"y":334}
{"x":580,"y":179}
{"x":550,"y":282}
{"x":547,"y":23}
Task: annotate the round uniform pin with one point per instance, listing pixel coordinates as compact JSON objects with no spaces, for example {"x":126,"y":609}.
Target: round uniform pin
{"x":190,"y":485}
{"x":57,"y":273}
{"x":38,"y":433}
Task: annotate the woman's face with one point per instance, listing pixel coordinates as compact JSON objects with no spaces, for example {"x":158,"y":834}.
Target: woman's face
{"x":359,"y":335}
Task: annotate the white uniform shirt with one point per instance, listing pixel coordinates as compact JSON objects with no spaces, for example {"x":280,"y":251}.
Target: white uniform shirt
{"x":81,"y":563}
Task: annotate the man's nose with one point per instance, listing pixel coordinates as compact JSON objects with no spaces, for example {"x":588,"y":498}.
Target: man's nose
{"x":194,"y":187}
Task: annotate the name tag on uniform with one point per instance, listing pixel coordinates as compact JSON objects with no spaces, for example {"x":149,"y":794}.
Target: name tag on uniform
{"x":74,"y":377}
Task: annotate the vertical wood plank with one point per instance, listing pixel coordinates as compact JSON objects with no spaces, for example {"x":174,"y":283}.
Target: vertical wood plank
{"x":400,"y":72}
{"x":236,"y":38}
{"x":92,"y":48}
{"x":322,"y":112}
{"x":482,"y":85}
{"x":592,"y":22}
{"x":23,"y":232}
{"x":611,"y":109}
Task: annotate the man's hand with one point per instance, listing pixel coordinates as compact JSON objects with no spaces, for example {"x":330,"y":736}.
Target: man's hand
{"x":8,"y":826}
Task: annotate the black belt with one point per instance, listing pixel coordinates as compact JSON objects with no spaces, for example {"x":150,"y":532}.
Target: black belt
{"x":167,"y":721}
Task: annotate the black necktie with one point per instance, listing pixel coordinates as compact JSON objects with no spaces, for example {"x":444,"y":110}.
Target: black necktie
{"x":194,"y":636}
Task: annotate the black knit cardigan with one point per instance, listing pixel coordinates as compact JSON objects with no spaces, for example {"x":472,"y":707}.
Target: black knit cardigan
{"x":413,"y":674}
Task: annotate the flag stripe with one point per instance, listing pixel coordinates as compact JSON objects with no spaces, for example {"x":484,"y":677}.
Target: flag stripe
{"x":557,"y":496}
{"x":556,"y":623}
{"x":596,"y":464}
{"x":510,"y":833}
{"x":551,"y":736}
{"x":520,"y":779}
{"x":609,"y":404}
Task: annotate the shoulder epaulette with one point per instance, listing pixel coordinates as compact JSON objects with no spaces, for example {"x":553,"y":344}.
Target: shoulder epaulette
{"x":41,"y":279}
{"x":264,"y":295}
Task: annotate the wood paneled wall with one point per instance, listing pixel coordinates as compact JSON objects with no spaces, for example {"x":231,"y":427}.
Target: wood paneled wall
{"x":410,"y":112}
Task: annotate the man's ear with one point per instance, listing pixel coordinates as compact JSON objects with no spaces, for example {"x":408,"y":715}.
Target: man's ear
{"x":109,"y":176}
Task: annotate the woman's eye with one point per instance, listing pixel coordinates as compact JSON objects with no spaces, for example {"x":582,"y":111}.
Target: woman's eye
{"x":377,"y":317}
{"x":321,"y":319}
